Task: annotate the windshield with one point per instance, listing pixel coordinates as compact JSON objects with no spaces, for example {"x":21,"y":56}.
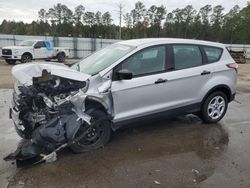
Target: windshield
{"x":102,"y":59}
{"x":26,"y":43}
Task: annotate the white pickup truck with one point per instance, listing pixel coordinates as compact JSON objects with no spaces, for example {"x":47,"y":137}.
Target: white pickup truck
{"x":29,"y":50}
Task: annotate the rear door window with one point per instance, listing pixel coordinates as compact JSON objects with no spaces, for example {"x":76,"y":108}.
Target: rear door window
{"x":213,"y":54}
{"x":186,"y":56}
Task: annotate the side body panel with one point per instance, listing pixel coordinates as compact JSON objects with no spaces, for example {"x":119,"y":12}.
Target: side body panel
{"x":138,"y":96}
{"x":141,"y":97}
{"x":40,"y":53}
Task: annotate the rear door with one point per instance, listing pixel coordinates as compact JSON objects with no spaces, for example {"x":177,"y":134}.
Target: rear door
{"x":189,"y":74}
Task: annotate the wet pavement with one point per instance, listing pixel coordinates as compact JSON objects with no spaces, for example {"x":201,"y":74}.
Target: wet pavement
{"x":181,"y":152}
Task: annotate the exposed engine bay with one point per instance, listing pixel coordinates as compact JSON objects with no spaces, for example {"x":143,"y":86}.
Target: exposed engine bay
{"x":49,"y":113}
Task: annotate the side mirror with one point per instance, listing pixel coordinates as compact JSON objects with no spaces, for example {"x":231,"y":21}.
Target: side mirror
{"x":124,"y":74}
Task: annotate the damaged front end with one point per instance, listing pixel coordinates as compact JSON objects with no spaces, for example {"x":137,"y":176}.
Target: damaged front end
{"x":49,"y":112}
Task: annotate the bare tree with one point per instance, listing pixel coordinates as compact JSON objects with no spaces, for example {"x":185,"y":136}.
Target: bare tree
{"x":120,"y":13}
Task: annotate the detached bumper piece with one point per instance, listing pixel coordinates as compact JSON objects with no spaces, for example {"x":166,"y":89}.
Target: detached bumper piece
{"x":25,"y":156}
{"x":30,"y":155}
{"x":49,"y":114}
{"x":47,"y":140}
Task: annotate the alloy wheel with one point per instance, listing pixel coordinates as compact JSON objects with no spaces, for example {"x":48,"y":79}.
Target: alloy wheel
{"x":216,"y":107}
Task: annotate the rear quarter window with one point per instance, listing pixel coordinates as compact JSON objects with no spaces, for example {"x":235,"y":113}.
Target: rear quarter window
{"x":213,"y":54}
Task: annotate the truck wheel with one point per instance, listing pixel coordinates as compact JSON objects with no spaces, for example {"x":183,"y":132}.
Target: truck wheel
{"x":10,"y":61}
{"x":61,"y":57}
{"x":97,"y":136}
{"x":214,"y":108}
{"x":26,"y":58}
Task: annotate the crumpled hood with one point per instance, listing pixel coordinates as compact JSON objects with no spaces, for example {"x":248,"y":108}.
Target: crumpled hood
{"x":25,"y":72}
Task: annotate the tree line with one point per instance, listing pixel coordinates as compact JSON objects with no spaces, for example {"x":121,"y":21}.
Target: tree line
{"x":207,"y":23}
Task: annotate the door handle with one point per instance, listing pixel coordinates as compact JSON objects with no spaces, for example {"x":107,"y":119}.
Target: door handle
{"x":205,"y":72}
{"x":160,"y":80}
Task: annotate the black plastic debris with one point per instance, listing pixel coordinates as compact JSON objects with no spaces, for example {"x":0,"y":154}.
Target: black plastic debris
{"x":43,"y":114}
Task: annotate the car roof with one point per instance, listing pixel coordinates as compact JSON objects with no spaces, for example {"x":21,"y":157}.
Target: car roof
{"x":155,"y":41}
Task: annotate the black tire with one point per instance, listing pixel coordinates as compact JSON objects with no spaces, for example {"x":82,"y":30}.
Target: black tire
{"x":102,"y":131}
{"x":212,"y":111}
{"x":10,"y":61}
{"x":61,"y":57}
{"x":26,"y":58}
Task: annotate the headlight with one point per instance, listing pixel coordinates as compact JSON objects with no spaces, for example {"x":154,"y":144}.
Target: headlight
{"x":16,"y":85}
{"x":15,"y":52}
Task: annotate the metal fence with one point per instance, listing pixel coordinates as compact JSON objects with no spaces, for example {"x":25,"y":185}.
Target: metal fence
{"x":81,"y":47}
{"x":78,"y":47}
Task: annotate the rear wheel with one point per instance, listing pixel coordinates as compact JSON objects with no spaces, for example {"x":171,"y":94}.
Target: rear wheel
{"x":61,"y":57}
{"x":214,"y":108}
{"x":10,"y":61}
{"x":26,"y":58}
{"x":97,"y":136}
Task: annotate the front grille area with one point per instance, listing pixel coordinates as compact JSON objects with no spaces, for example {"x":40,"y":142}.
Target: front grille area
{"x":6,"y":52}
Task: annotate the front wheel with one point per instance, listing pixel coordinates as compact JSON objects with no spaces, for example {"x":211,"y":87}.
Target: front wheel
{"x":61,"y":57}
{"x":97,"y":136}
{"x":26,"y":58}
{"x":214,"y":108}
{"x":10,"y":61}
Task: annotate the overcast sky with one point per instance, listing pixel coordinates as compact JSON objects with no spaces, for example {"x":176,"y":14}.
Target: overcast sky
{"x":26,"y":10}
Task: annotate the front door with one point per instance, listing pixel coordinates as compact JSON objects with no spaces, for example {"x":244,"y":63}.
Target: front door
{"x":40,"y":50}
{"x":145,"y":92}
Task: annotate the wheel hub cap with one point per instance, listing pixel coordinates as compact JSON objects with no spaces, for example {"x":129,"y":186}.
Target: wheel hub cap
{"x":216,"y":107}
{"x":92,"y":134}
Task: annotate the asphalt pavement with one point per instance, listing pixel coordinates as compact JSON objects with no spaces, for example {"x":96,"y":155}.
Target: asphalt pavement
{"x":179,"y":152}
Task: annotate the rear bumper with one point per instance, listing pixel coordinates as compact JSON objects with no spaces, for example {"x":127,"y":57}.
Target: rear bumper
{"x":232,"y":97}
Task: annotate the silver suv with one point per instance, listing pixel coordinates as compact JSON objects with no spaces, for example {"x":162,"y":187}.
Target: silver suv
{"x":55,"y":105}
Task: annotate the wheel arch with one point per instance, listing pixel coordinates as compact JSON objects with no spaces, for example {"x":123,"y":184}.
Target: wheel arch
{"x":27,"y":53}
{"x":223,"y":88}
{"x":93,"y":102}
{"x":96,"y":103}
{"x":60,"y":52}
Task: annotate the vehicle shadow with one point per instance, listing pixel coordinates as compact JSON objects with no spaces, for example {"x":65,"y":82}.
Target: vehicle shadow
{"x":180,"y":134}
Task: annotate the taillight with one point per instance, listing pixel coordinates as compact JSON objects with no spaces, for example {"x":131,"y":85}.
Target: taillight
{"x":233,"y":66}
